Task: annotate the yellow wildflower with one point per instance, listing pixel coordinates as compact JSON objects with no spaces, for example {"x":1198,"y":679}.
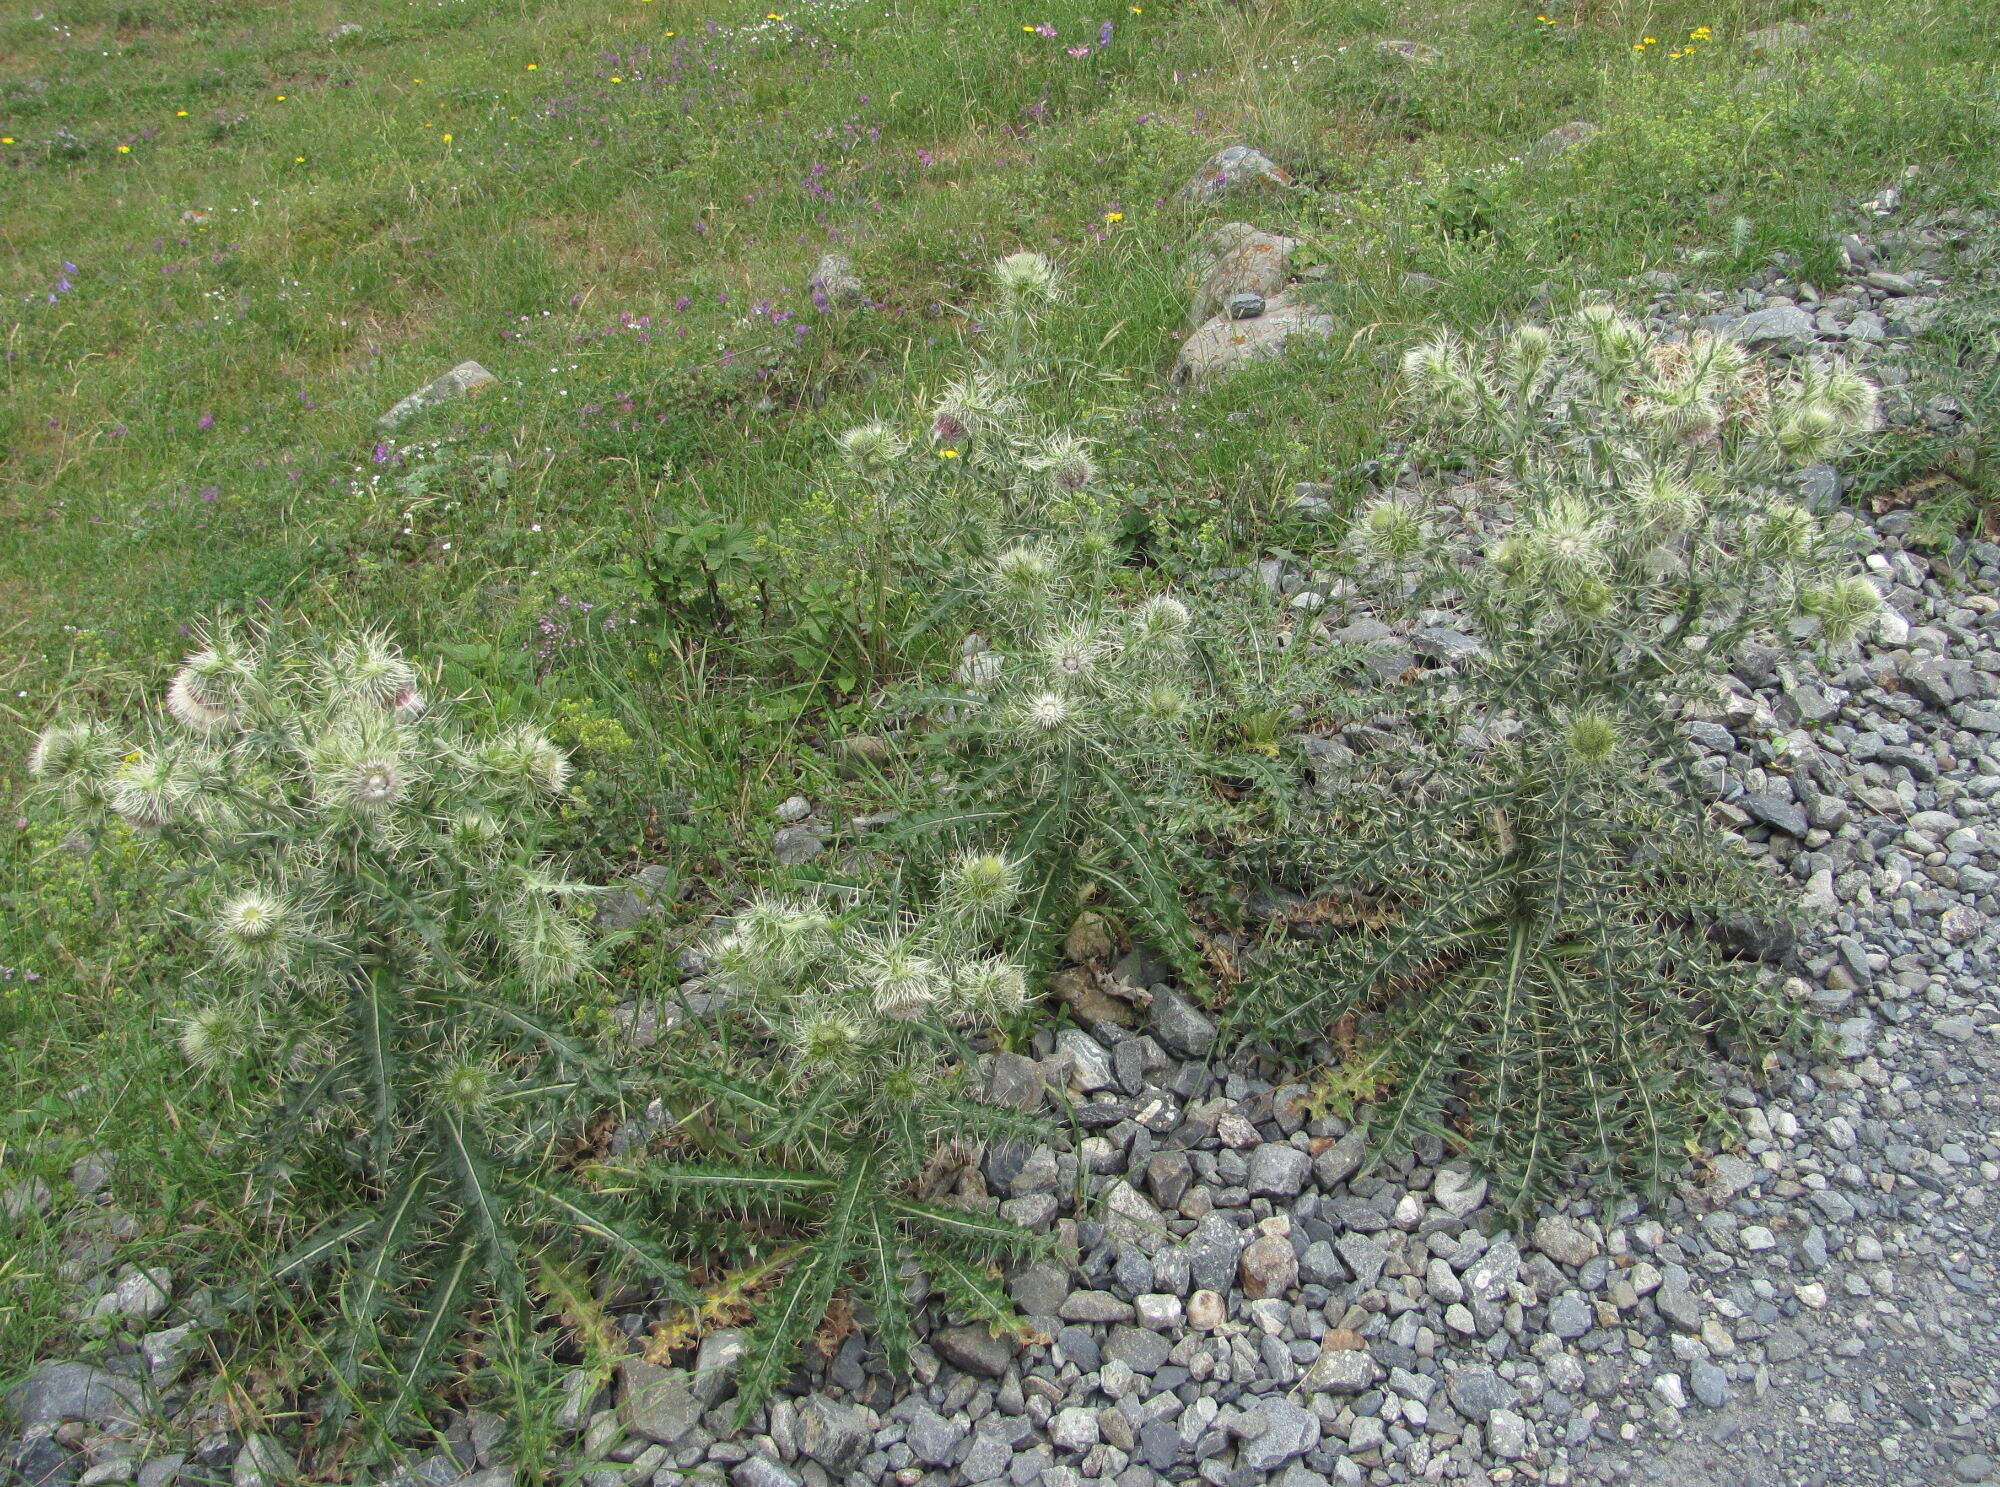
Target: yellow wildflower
{"x":1114,"y":216}
{"x":124,"y":149}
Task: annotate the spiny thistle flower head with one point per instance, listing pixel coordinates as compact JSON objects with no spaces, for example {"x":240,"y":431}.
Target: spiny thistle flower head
{"x":1526,"y":351}
{"x":211,"y":690}
{"x":1027,"y":281}
{"x":900,"y":979}
{"x":1390,"y":529}
{"x":872,"y":448}
{"x":360,"y":768}
{"x":1073,"y":653}
{"x":970,"y":406}
{"x":254,"y":927}
{"x":1045,"y":717}
{"x":1786,"y":533}
{"x":830,"y":1040}
{"x":548,"y":945}
{"x":1611,"y":344}
{"x":368,"y":671}
{"x":1026,"y":571}
{"x":216,"y":1036}
{"x":1843,"y":606}
{"x":737,"y":964}
{"x":1064,"y":461}
{"x":1666,"y":505}
{"x":1437,"y":367}
{"x":1591,"y":737}
{"x":785,"y":934}
{"x":1853,"y":399}
{"x":153,"y":788}
{"x":989,"y":989}
{"x":466,"y":1086}
{"x":524,"y":761}
{"x":75,"y":757}
{"x":980,"y":886}
{"x":1563,"y":549}
{"x":475,"y":834}
{"x":1165,"y":705}
{"x":1161,"y":622}
{"x":1808,"y":431}
{"x":1686,"y":420}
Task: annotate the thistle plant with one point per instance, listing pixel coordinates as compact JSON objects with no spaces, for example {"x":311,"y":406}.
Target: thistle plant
{"x":386,"y":953}
{"x":1538,"y":986}
{"x":858,"y":1088}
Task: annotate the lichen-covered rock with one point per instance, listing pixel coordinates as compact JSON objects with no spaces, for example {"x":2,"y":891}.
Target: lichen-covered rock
{"x":467,"y":379}
{"x":1223,"y":345}
{"x":1240,"y":259}
{"x":1232,"y":167}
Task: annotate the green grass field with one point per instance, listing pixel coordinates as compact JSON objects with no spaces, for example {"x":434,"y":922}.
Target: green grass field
{"x":235,"y":234}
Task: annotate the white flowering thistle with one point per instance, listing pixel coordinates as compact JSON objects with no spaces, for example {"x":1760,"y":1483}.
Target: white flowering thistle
{"x":217,"y":1036}
{"x":977,"y":403}
{"x":1063,"y":462}
{"x":1027,"y":281}
{"x":872,"y":449}
{"x":363,"y":875}
{"x":77,"y":759}
{"x":989,"y":989}
{"x":1389,"y":530}
{"x":979,"y":887}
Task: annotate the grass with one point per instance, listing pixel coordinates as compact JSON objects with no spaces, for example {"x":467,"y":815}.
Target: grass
{"x":235,"y":237}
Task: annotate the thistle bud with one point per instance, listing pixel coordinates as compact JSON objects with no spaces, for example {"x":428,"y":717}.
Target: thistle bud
{"x":75,"y":758}
{"x":216,"y":1036}
{"x":1027,"y":280}
{"x":370,"y":672}
{"x":1686,"y":421}
{"x":549,"y":947}
{"x":829,"y":1042}
{"x":524,"y":761}
{"x":1072,"y":654}
{"x":980,"y":886}
{"x":1666,"y":506}
{"x":1808,"y":432}
{"x":1434,"y":366}
{"x":1853,"y":399}
{"x":466,"y":1086}
{"x":988,"y":990}
{"x":362,"y":772}
{"x":474,"y":834}
{"x":1064,"y":462}
{"x":1390,"y":530}
{"x":1842,"y":607}
{"x":900,"y":981}
{"x":1785,"y":534}
{"x":1165,"y":705}
{"x":152,"y":790}
{"x":1526,"y":352}
{"x":1025,"y":571}
{"x":872,"y":448}
{"x":1590,"y":738}
{"x":1045,"y":717}
{"x":1161,"y":621}
{"x":1564,"y":551}
{"x":1612,"y":344}
{"x":254,"y":929}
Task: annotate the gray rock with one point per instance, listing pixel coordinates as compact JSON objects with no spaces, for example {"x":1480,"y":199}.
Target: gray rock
{"x":976,"y":1350}
{"x":761,"y":1471}
{"x":1781,"y":326}
{"x":1213,"y":1250}
{"x":1364,"y":1256}
{"x":1138,"y":1348}
{"x":54,"y":1392}
{"x":1039,"y":1290}
{"x":1341,"y":1160}
{"x":1570,"y":1315}
{"x":1477,"y":1392}
{"x":934,"y":1440}
{"x":467,"y":379}
{"x":1564,"y":1241}
{"x":834,"y":280}
{"x":1777,"y":813}
{"x":29,"y":1198}
{"x":1231,"y":168}
{"x":166,"y":1352}
{"x":831,"y":1433}
{"x":1277,"y":1171}
{"x":793,"y":845}
{"x":1179,"y":1026}
{"x":1244,"y":306}
{"x":1268,"y":1267}
{"x":1290,"y":1430}
{"x":1711,"y":1384}
{"x":1223,"y":345}
{"x":715,"y":1364}
{"x":1342,"y":1371}
{"x":1561,"y":140}
{"x":263,"y":1462}
{"x":654,"y":1402}
{"x":1507,"y":1435}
